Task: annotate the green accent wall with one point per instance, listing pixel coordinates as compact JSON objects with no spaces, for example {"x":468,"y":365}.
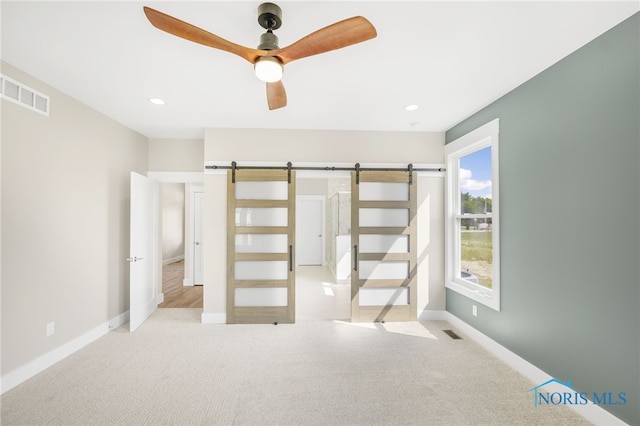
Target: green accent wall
{"x":570,"y":219}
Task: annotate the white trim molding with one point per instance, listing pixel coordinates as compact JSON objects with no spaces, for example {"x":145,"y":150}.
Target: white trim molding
{"x":432,"y":315}
{"x":485,"y":136}
{"x":27,"y":371}
{"x":592,"y":412}
{"x":214,"y":318}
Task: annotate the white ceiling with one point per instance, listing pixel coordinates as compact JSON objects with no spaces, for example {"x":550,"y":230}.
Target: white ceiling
{"x":451,"y":58}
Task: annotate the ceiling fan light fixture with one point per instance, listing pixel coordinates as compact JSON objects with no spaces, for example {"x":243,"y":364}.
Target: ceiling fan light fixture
{"x":269,"y":59}
{"x":269,"y":69}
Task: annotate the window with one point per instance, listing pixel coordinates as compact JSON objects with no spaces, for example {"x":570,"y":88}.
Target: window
{"x":472,"y":216}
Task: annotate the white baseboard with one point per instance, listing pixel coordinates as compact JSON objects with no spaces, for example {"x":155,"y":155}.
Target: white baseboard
{"x":429,"y":315}
{"x":160,"y":298}
{"x":187,"y":281}
{"x":22,"y":374}
{"x":121,"y":319}
{"x":214,"y":318}
{"x":592,"y":412}
{"x":172,"y":260}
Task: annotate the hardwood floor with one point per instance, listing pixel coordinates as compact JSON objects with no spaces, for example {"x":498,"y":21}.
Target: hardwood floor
{"x":177,"y":295}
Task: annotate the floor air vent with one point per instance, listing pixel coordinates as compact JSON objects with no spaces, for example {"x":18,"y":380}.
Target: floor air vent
{"x":21,"y":94}
{"x":451,"y":334}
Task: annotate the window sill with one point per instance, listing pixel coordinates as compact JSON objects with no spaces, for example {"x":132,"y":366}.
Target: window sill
{"x":476,"y":292}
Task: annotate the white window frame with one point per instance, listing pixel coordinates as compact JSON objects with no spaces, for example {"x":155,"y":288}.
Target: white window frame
{"x":480,"y":138}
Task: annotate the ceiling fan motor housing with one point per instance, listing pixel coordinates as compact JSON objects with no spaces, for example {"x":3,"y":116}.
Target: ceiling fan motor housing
{"x":268,"y":41}
{"x":269,"y":16}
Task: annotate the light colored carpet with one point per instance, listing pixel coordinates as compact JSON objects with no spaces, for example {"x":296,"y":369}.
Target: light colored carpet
{"x":175,"y":370}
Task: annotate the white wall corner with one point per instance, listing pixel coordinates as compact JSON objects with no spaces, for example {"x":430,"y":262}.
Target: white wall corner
{"x":432,"y":315}
{"x":592,"y":412}
{"x":214,"y":318}
{"x":27,"y":371}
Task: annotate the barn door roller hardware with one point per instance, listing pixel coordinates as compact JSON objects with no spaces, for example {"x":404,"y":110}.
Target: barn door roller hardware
{"x":357,"y":168}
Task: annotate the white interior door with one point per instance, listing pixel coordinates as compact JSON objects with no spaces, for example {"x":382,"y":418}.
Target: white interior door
{"x":197,"y":239}
{"x":143,"y":253}
{"x":310,"y":232}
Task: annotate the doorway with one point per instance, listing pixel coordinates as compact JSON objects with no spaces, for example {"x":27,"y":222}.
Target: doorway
{"x":176,"y":294}
{"x":181,"y":205}
{"x":370,"y":240}
{"x":320,"y":293}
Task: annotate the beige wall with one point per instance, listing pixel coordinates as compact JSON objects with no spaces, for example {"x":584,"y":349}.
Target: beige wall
{"x":431,"y":290}
{"x":323,"y":146}
{"x":65,"y":221}
{"x":215,"y":247}
{"x":329,"y":147}
{"x":176,"y":155}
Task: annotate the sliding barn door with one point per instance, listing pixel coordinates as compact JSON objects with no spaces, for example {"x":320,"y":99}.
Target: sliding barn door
{"x":261,"y":235}
{"x":383,"y":240}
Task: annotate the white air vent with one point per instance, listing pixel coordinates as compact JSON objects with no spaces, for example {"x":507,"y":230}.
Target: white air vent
{"x":21,"y":94}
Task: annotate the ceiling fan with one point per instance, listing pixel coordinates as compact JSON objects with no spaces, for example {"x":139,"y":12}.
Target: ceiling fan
{"x":269,"y":59}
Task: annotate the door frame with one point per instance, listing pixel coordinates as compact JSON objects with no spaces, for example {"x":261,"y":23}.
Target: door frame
{"x":323,"y":207}
{"x":194,"y":182}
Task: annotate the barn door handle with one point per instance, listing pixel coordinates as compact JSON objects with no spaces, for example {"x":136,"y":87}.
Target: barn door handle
{"x":290,"y":258}
{"x":355,"y":257}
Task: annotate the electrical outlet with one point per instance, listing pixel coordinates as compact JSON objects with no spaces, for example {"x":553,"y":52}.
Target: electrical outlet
{"x":51,"y":328}
{"x":474,"y":310}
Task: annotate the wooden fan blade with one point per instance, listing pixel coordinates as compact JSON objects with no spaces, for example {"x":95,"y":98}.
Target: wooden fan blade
{"x":341,"y":34}
{"x":190,"y":32}
{"x":276,"y":95}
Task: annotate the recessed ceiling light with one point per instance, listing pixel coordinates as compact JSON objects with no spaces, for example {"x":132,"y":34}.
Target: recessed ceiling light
{"x":156,"y":101}
{"x":411,"y":107}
